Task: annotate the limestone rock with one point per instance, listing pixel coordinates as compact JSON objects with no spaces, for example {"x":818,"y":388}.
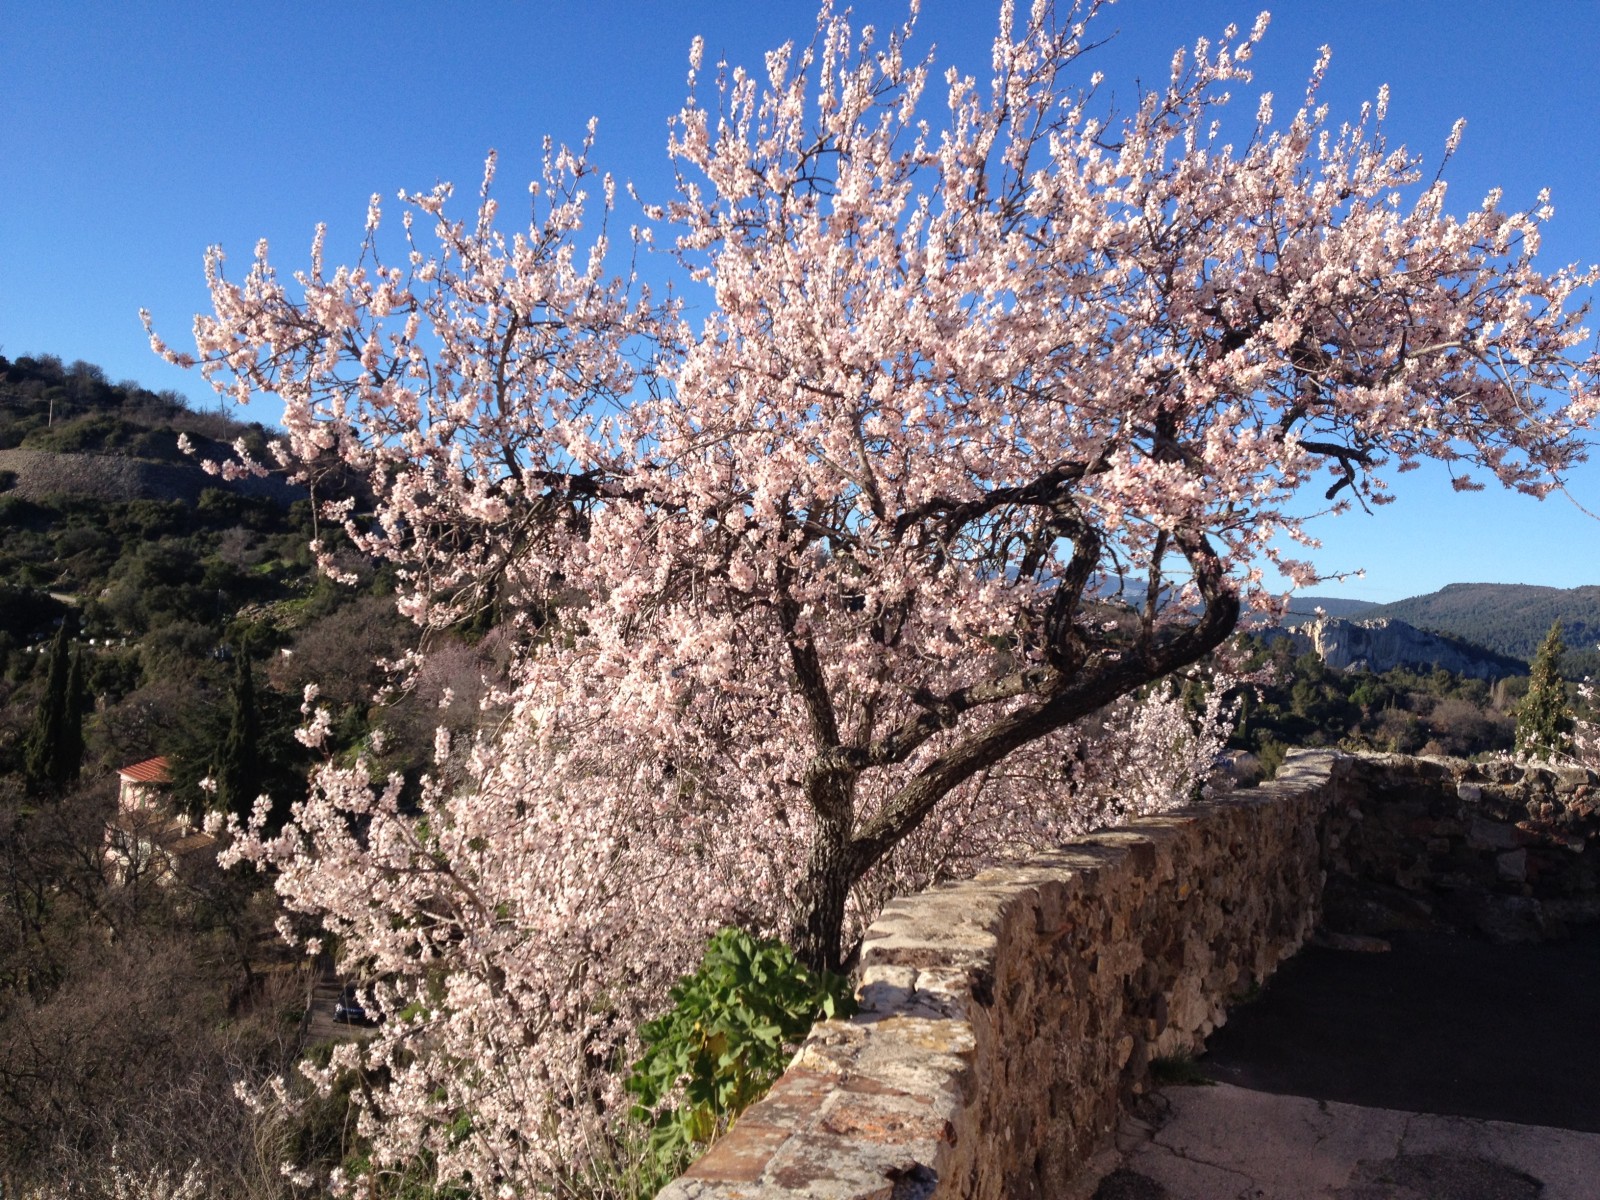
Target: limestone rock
{"x":1383,"y":643}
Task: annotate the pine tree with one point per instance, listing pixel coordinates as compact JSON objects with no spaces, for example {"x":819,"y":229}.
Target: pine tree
{"x":237,"y":766}
{"x":1544,"y":718}
{"x":54,"y":749}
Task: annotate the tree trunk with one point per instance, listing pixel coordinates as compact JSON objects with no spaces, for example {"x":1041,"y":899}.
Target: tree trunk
{"x":828,"y":876}
{"x":823,"y":893}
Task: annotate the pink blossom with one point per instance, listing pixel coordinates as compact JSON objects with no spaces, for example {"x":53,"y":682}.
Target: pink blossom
{"x":1001,"y":400}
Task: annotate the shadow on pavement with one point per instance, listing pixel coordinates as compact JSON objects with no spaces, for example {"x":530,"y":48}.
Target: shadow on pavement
{"x":1442,"y":1023}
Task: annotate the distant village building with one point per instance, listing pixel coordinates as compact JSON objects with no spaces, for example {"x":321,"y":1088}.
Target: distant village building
{"x":143,"y":784}
{"x":146,"y":836}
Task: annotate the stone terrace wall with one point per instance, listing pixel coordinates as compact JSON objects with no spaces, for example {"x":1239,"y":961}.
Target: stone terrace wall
{"x":1005,"y":1018}
{"x":1507,"y":851}
{"x":116,"y":477}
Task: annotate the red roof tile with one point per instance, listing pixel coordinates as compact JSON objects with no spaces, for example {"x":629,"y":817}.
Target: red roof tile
{"x":151,"y":770}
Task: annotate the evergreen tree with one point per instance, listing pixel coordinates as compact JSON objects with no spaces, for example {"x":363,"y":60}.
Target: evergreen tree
{"x":72,"y":746}
{"x":237,"y":766}
{"x":1544,"y":718}
{"x":54,"y":749}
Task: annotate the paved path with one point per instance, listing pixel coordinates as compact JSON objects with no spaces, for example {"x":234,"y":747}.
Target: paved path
{"x":1442,"y":1023}
{"x":1444,"y":1069}
{"x":319,"y":1025}
{"x":1224,"y":1142}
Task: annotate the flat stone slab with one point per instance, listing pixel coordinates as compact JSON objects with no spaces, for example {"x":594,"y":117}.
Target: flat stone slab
{"x":1223,"y":1142}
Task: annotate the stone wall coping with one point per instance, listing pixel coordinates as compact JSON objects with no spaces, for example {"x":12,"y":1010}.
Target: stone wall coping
{"x":890,"y":1105}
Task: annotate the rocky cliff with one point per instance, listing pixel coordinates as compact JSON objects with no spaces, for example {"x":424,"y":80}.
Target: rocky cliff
{"x":1383,"y":643}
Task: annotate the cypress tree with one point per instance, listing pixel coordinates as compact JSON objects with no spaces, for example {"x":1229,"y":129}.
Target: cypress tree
{"x":54,"y":749}
{"x":72,"y":732}
{"x":237,"y":767}
{"x":1544,"y":719}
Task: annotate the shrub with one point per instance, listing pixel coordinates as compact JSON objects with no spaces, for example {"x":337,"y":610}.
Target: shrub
{"x":732,"y":1029}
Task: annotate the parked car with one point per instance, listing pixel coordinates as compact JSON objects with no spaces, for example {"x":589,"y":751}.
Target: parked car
{"x":349,"y":1010}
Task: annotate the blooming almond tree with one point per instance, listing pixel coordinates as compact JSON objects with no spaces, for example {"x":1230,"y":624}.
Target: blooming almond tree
{"x":997,"y":415}
{"x":957,"y":376}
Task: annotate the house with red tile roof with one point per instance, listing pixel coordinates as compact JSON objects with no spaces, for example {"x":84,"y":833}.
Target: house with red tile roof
{"x":143,"y":784}
{"x":147,"y":835}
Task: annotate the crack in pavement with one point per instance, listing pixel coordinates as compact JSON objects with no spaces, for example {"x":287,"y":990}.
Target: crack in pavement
{"x":1405,"y":1132}
{"x":1253,"y":1189}
{"x":1319,"y":1129}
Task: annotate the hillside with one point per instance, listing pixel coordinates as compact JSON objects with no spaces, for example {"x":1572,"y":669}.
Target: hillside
{"x":1509,"y":618}
{"x":74,"y":408}
{"x":110,"y":476}
{"x":67,"y":430}
{"x":164,"y":571}
{"x":1304,"y":608}
{"x":150,"y":609}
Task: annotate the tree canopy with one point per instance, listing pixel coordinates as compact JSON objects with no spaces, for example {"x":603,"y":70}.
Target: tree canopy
{"x":53,"y":754}
{"x":1544,"y":718}
{"x":1003,"y":401}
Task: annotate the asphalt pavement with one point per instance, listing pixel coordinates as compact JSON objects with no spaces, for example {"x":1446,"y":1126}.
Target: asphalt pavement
{"x":1445,"y":1068}
{"x":1441,"y":1023}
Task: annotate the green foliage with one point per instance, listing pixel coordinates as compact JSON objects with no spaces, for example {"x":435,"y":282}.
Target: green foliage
{"x":1179,"y":1070}
{"x":1508,"y":618}
{"x":71,"y":754}
{"x":161,"y":581}
{"x":239,"y":734}
{"x":1544,"y":717}
{"x":631,"y":1167}
{"x":237,"y":769}
{"x":54,"y":753}
{"x":1270,"y":753}
{"x":24,"y":612}
{"x":1308,"y":703}
{"x":730,"y":1032}
{"x":51,"y":406}
{"x":96,"y":433}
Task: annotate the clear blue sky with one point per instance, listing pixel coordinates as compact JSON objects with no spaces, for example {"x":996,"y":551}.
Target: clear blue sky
{"x":135,"y":134}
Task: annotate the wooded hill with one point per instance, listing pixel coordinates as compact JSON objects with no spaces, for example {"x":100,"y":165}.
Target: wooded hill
{"x":133,"y":1001}
{"x":1511,"y":618}
{"x":169,"y":571}
{"x":1508,"y":618}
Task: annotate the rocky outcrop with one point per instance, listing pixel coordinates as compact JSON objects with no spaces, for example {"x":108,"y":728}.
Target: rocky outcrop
{"x":1381,"y":644}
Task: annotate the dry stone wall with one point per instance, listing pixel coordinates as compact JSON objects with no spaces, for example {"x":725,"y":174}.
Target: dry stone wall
{"x":1006,"y":1019}
{"x":1503,"y":850}
{"x":117,"y":478}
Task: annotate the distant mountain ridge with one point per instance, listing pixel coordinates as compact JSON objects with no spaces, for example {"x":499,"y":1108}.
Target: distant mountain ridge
{"x":1305,"y":608}
{"x":1509,"y":619}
